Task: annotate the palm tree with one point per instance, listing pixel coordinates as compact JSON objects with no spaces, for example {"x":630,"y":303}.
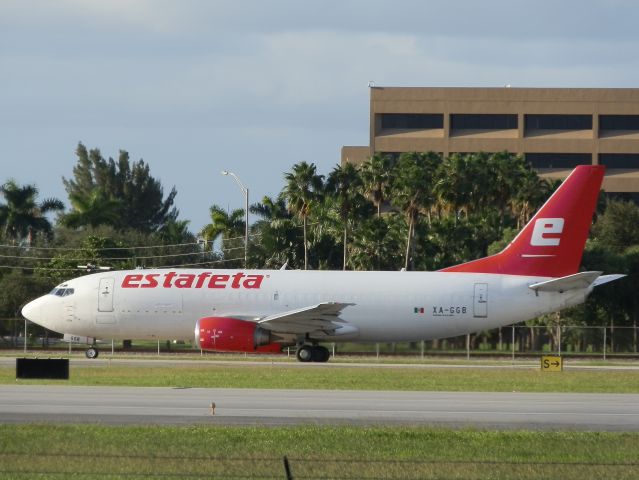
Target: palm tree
{"x":227,"y":226}
{"x":507,"y":173}
{"x":344,"y":186}
{"x":413,"y":189}
{"x":303,"y":189}
{"x":22,"y":217}
{"x":377,"y":178}
{"x":276,"y":229}
{"x":533,"y":191}
{"x":92,"y":210}
{"x":377,"y":243}
{"x":453,"y":186}
{"x":175,"y":231}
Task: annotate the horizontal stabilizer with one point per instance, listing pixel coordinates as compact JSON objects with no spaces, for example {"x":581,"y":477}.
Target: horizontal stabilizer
{"x":571,"y":282}
{"x":607,"y":278}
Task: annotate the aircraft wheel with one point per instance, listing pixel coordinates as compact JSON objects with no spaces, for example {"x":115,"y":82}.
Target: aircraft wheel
{"x":321,"y":354}
{"x":304,"y":353}
{"x":92,"y":352}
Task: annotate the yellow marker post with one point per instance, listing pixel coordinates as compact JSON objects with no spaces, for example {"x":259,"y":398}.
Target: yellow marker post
{"x":552,"y":363}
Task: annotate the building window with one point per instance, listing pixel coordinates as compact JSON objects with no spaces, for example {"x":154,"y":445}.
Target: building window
{"x":623,"y":196}
{"x":558,"y":160}
{"x":619,"y":160}
{"x":412,"y":121}
{"x":392,"y":156}
{"x":618,"y":122}
{"x":464,"y":121}
{"x":558,"y":122}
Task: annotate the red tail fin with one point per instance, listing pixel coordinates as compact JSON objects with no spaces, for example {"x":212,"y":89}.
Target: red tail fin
{"x":552,"y":243}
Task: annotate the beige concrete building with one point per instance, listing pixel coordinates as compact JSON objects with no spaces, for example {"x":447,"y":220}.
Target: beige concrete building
{"x":554,"y":128}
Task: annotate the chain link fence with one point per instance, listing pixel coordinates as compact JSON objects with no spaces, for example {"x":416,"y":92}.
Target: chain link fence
{"x":20,"y":465}
{"x":513,"y":341}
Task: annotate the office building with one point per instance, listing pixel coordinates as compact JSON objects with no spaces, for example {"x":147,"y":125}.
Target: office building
{"x":554,"y":128}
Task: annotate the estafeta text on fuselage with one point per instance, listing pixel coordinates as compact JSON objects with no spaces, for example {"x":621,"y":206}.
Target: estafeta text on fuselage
{"x":192,"y":280}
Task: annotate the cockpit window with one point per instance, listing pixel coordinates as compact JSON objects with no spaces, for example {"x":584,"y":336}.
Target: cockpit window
{"x":62,"y":292}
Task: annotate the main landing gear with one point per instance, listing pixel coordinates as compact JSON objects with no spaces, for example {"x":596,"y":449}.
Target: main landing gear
{"x":92,"y":352}
{"x":312,"y":353}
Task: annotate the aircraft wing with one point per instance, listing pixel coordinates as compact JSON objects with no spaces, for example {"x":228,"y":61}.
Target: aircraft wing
{"x":317,"y":320}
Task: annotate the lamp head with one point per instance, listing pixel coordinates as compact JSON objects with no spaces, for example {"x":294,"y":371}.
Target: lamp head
{"x":224,"y":172}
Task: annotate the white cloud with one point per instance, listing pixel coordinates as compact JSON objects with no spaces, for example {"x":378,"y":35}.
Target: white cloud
{"x":269,"y":82}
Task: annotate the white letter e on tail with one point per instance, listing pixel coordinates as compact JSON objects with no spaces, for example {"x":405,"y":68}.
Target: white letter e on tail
{"x":545,"y":226}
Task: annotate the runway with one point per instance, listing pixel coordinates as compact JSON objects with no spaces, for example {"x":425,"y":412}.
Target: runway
{"x":178,"y":406}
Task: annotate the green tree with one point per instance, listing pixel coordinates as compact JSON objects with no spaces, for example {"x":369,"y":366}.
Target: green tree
{"x":277,"y":243}
{"x":453,"y":186}
{"x":227,"y":226}
{"x":531,"y":194}
{"x":377,"y":178}
{"x":413,"y":191}
{"x":377,"y":243}
{"x":22,"y":217}
{"x":175,"y":232}
{"x":16,"y":289}
{"x":344,"y":190}
{"x":303,"y":190}
{"x":139,"y":197}
{"x":94,"y":251}
{"x":618,"y":227}
{"x":92,"y":209}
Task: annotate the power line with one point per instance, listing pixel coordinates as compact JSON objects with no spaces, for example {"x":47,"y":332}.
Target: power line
{"x":201,"y":263}
{"x":88,"y":259}
{"x":66,"y":249}
{"x":179,"y":265}
{"x":12,"y":267}
{"x":145,"y":247}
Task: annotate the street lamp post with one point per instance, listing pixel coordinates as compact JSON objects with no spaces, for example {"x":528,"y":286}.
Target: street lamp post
{"x":245,"y":191}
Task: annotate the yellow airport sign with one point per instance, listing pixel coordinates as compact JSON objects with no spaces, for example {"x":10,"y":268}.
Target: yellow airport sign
{"x":552,"y":363}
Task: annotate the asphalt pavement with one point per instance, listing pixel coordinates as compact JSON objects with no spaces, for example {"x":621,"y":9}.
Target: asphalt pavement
{"x":212,"y":406}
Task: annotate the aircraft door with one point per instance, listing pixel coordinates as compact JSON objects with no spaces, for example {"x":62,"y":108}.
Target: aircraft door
{"x":105,"y":295}
{"x":480,"y":302}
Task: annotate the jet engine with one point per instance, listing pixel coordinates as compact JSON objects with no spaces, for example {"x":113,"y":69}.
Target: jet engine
{"x":224,"y":334}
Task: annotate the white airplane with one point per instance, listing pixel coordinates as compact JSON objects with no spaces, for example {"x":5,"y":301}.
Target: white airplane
{"x":265,"y":310}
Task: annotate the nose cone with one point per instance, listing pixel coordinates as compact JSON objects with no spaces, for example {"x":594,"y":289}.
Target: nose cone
{"x":33,"y":311}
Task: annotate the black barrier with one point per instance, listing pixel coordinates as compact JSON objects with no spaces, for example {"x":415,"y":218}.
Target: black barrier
{"x":54,"y":368}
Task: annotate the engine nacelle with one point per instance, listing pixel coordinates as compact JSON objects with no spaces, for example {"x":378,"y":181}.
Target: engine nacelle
{"x":224,"y":334}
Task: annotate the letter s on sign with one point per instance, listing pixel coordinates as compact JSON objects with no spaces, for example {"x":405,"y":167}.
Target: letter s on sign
{"x":543,"y":227}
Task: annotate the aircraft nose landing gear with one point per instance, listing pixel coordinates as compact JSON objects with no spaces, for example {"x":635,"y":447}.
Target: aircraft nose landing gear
{"x":312,"y":353}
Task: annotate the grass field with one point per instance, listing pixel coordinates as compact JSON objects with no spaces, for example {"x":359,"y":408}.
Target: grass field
{"x":104,"y":452}
{"x":89,"y":452}
{"x":346,"y":378}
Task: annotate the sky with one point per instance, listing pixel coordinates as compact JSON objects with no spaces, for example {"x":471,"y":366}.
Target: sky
{"x":194,"y":87}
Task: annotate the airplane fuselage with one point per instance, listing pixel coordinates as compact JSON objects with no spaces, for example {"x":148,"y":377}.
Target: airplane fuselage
{"x":386,"y":306}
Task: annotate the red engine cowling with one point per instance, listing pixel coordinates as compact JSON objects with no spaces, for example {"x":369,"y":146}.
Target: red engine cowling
{"x":225,"y":334}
